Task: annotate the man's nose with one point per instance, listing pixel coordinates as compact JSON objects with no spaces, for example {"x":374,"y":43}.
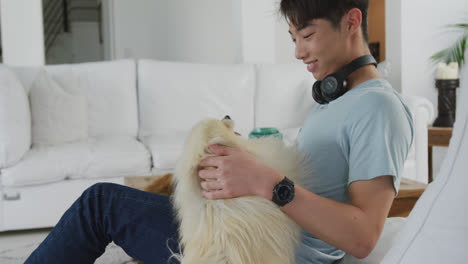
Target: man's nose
{"x":299,"y":51}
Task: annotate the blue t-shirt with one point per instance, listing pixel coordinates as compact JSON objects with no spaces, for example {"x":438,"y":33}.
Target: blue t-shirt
{"x":365,"y":133}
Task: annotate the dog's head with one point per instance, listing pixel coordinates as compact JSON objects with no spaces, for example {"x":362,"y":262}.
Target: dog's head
{"x":212,"y":131}
{"x":201,"y":136}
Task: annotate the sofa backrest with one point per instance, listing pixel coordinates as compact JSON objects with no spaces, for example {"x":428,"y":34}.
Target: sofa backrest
{"x":110,"y":91}
{"x":283,"y":95}
{"x":173,"y":96}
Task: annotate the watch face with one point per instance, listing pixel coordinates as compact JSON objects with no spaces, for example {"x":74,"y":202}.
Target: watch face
{"x":284,"y":192}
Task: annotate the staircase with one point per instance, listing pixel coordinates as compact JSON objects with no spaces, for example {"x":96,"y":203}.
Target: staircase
{"x":63,"y":28}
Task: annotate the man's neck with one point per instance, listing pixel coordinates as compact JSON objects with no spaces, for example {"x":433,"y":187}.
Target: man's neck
{"x":361,"y":75}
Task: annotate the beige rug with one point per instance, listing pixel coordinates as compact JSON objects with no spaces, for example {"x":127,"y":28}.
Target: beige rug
{"x":113,"y":255}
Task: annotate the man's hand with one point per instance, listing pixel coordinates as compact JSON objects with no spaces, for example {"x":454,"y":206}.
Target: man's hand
{"x":234,"y":173}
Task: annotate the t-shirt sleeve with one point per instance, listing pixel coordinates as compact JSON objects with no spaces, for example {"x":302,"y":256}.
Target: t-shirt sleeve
{"x":380,"y":134}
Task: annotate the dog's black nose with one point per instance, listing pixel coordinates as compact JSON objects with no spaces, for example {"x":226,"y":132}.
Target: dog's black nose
{"x":227,"y":117}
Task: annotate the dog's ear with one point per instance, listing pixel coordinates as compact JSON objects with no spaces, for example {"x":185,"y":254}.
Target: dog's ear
{"x":228,"y":123}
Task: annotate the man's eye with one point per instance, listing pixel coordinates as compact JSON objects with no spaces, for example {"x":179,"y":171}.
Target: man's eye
{"x":308,"y":36}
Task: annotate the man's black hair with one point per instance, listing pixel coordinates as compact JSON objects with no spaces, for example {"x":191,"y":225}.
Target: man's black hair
{"x":299,"y":12}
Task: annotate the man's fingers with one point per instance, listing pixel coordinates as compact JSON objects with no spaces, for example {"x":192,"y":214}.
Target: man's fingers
{"x":210,"y":162}
{"x":214,"y":195}
{"x":221,"y":150}
{"x":211,"y":185}
{"x":208,"y":173}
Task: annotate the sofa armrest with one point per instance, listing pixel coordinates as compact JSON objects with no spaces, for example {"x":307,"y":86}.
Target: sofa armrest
{"x":388,"y":237}
{"x":15,"y":119}
{"x":422,"y":112}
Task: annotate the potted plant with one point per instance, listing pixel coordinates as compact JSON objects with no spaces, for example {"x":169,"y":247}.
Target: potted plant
{"x":447,"y":76}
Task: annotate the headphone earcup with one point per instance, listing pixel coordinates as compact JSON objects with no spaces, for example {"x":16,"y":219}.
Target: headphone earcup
{"x":317,"y":93}
{"x":332,"y":87}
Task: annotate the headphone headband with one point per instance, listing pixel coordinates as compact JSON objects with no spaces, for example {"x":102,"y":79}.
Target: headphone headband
{"x":354,"y":65}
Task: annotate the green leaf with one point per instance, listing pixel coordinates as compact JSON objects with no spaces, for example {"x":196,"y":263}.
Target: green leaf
{"x":456,"y":52}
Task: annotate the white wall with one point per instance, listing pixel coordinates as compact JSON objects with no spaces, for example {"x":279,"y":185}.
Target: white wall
{"x":416,"y":29}
{"x":134,"y":29}
{"x":22,"y":32}
{"x":394,"y":41}
{"x":265,"y":37}
{"x":205,"y":31}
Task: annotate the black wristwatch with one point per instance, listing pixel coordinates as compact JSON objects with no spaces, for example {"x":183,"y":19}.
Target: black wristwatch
{"x":283,"y":193}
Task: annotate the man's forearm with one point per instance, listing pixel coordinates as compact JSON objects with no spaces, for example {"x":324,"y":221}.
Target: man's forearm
{"x":343,"y":226}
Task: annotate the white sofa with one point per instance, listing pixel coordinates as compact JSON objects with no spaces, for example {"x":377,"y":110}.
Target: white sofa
{"x":67,"y":127}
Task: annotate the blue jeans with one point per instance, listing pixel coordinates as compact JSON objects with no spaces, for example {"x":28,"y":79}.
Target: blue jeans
{"x":142,"y":223}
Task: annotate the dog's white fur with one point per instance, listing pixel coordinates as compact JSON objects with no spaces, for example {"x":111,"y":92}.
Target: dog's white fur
{"x":244,"y":230}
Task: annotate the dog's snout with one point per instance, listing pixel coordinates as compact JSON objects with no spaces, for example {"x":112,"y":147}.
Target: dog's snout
{"x":227,"y":117}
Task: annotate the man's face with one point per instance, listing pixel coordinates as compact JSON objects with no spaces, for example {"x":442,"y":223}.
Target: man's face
{"x":321,"y":46}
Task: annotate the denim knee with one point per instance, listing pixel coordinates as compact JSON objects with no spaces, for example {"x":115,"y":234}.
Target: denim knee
{"x":100,"y":189}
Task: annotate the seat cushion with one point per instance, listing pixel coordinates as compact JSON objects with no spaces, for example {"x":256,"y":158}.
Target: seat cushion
{"x":173,"y":96}
{"x":15,"y":119}
{"x":92,"y":158}
{"x":437,"y":227}
{"x":165,"y":150}
{"x":118,"y":156}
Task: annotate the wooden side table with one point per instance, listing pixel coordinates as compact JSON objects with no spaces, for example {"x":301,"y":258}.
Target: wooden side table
{"x":408,"y":195}
{"x":437,"y":136}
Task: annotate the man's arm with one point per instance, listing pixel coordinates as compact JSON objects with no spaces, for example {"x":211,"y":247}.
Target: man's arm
{"x":354,"y":228}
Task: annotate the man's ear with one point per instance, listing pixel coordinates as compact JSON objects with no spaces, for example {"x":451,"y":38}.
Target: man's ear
{"x":353,"y":20}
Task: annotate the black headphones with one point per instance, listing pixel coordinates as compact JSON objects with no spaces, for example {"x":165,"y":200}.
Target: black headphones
{"x":335,"y":85}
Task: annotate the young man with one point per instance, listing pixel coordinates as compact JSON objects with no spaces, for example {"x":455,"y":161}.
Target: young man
{"x":355,"y":145}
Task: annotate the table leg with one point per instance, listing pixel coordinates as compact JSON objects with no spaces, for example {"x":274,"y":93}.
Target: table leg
{"x":430,"y":163}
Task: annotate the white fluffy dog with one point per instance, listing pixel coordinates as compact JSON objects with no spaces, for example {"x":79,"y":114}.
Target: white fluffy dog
{"x":244,"y":230}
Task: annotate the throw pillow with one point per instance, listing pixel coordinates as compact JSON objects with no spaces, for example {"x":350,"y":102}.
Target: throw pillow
{"x":57,"y":116}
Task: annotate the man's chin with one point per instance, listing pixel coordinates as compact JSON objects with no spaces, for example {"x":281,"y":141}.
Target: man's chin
{"x":318,"y":77}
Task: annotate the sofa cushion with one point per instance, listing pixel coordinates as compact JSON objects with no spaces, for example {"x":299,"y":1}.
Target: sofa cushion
{"x":57,"y":115}
{"x":437,"y":228}
{"x":165,"y":150}
{"x":15,"y":119}
{"x":116,"y":157}
{"x":284,"y":95}
{"x":110,"y":89}
{"x":92,"y":158}
{"x":173,"y":96}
